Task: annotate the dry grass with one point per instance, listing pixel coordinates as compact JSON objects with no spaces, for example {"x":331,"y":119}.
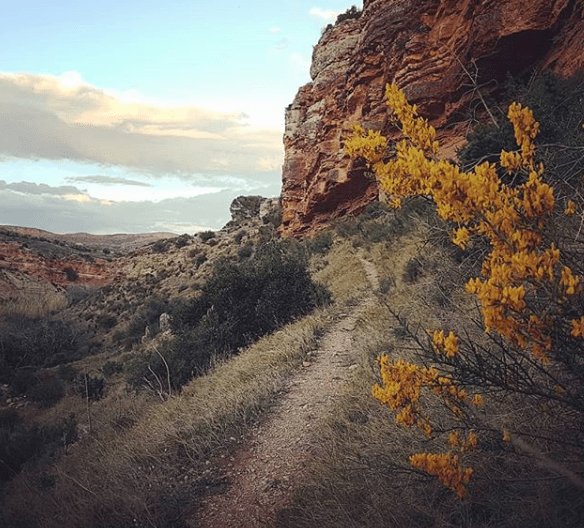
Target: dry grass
{"x":342,"y":273}
{"x":146,"y":462}
{"x":140,"y":450}
{"x":41,"y":304}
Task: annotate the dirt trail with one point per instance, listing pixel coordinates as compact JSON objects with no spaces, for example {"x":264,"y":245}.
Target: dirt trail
{"x":266,"y":469}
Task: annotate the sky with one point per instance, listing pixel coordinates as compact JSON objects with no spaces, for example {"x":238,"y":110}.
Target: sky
{"x":138,"y":116}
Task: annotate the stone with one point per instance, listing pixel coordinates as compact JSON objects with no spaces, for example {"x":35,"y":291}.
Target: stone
{"x":438,"y":51}
{"x":245,"y":208}
{"x":164,"y":322}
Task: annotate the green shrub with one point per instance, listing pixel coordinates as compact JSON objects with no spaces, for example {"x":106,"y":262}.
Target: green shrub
{"x":71,"y":274}
{"x":67,"y":373}
{"x":106,"y":321}
{"x":206,"y":235}
{"x":352,"y":13}
{"x":245,"y":251}
{"x":199,"y":260}
{"x":320,"y":243}
{"x":112,"y":367}
{"x":23,"y":380}
{"x":160,"y":246}
{"x":239,"y":303}
{"x":32,"y":342}
{"x":147,"y":316}
{"x":47,"y":392}
{"x":20,"y":443}
{"x":413,"y":271}
{"x":557,"y":104}
{"x":182,"y":240}
{"x":88,"y":386}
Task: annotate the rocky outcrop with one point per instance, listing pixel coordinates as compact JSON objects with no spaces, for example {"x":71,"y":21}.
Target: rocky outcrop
{"x":245,"y":208}
{"x":64,"y":270}
{"x":439,"y":52}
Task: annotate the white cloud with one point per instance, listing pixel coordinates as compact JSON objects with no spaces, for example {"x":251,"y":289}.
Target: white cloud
{"x":64,"y":118}
{"x":329,"y":16}
{"x":275,"y":30}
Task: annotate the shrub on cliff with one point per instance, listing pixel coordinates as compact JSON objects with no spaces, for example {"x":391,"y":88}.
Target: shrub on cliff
{"x":352,"y":13}
{"x":558,"y":104}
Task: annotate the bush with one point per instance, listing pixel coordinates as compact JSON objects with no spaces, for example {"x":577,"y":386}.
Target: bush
{"x":147,"y":316}
{"x":35,"y":343}
{"x":320,"y":243}
{"x":20,"y":444}
{"x":106,"y":321}
{"x":71,"y":274}
{"x":160,"y":246}
{"x":206,"y":235}
{"x":478,"y":395}
{"x":245,"y":251}
{"x":182,"y":240}
{"x":239,"y":303}
{"x":47,"y":392}
{"x":352,"y":13}
{"x":557,"y":104}
{"x":112,"y":367}
{"x":88,"y":386}
{"x":23,"y":380}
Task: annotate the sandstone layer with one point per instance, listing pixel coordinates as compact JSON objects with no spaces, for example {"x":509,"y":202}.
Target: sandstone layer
{"x":441,"y":52}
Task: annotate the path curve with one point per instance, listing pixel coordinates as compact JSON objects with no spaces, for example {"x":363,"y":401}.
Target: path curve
{"x":265,"y":470}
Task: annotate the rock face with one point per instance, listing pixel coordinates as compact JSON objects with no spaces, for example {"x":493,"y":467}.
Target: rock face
{"x":439,"y":52}
{"x":21,"y":266}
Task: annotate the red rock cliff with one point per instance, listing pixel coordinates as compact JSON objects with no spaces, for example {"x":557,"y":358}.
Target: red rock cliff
{"x":429,"y":48}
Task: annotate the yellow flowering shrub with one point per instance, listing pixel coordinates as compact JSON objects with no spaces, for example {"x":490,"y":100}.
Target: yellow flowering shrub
{"x":524,"y":286}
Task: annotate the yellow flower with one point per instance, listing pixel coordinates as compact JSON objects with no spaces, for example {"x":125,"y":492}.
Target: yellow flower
{"x":577,"y":327}
{"x":570,"y":208}
{"x":461,"y":237}
{"x":477,"y":400}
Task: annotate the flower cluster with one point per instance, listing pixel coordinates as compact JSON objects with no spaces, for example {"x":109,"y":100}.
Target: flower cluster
{"x":402,"y":389}
{"x":446,"y":467}
{"x":448,"y":344}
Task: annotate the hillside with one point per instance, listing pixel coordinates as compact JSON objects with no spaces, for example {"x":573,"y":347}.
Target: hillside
{"x":121,"y":242}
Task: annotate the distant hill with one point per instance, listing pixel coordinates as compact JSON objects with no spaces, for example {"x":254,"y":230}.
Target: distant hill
{"x":121,"y":242}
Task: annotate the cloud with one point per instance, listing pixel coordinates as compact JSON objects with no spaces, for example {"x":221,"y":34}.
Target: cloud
{"x":64,"y":118}
{"x":62,"y":213}
{"x":282,"y":44}
{"x":329,"y":16}
{"x":275,"y":30}
{"x":108,"y":180}
{"x":38,"y":188}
